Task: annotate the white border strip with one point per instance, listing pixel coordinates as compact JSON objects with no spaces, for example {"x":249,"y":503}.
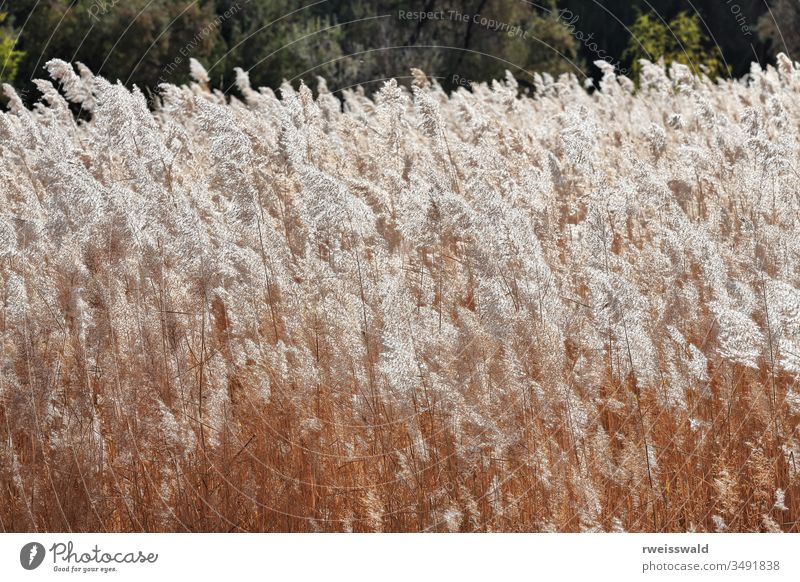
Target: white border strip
{"x":370,"y":557}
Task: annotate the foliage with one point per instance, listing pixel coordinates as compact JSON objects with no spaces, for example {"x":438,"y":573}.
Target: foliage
{"x":350,"y":42}
{"x":353,"y":43}
{"x":680,"y":41}
{"x":136,"y":41}
{"x":729,"y":25}
{"x":149,"y":42}
{"x":9,"y":55}
{"x":483,"y":311}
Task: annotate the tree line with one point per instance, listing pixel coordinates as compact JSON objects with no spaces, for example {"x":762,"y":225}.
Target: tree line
{"x":360,"y":42}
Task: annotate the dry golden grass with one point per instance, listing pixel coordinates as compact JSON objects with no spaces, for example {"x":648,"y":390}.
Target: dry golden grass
{"x":484,"y":312}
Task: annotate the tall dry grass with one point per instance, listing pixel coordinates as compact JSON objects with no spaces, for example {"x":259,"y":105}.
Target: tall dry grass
{"x":578,"y":311}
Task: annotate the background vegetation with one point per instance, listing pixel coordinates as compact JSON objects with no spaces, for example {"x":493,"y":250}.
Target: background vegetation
{"x":146,"y":42}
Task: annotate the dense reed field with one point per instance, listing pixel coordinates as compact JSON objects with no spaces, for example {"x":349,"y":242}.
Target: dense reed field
{"x":485,"y":311}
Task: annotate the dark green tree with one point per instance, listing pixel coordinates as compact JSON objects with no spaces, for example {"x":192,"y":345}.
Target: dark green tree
{"x":359,"y":42}
{"x":135,"y":41}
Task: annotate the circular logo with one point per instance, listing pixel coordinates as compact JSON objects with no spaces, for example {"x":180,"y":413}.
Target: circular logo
{"x":31,"y":555}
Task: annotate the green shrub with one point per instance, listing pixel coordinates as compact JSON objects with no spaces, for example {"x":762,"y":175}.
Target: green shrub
{"x":9,"y":56}
{"x":682,"y":41}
